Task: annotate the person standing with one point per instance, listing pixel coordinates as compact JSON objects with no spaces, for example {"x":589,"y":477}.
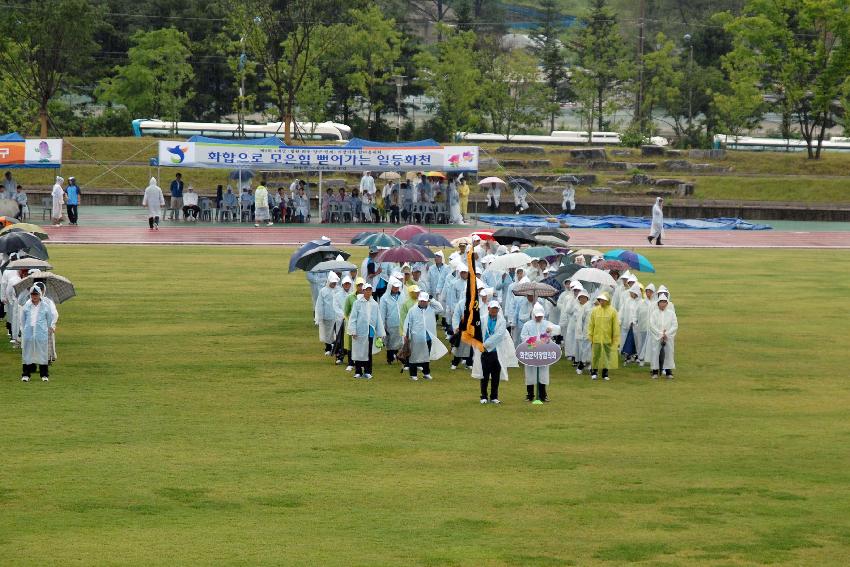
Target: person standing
{"x":177,"y":194}
{"x":494,"y":331}
{"x":327,"y":312}
{"x":582,"y":344}
{"x":541,"y":330}
{"x":73,"y":200}
{"x":463,"y":193}
{"x":520,"y":198}
{"x":603,"y":331}
{"x":21,"y":199}
{"x":663,"y":326}
{"x":391,"y":315}
{"x":568,"y":199}
{"x":58,"y":196}
{"x":9,"y":186}
{"x":154,"y":201}
{"x":656,"y":230}
{"x":420,"y":330}
{"x":365,"y":326}
{"x":367,"y":184}
{"x":261,"y":205}
{"x":494,"y":192}
{"x":37,"y":323}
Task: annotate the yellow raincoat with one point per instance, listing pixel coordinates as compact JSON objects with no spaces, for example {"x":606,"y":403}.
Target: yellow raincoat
{"x":603,"y":330}
{"x":463,"y":191}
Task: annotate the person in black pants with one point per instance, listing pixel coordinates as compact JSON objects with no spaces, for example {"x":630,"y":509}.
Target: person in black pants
{"x":494,"y":331}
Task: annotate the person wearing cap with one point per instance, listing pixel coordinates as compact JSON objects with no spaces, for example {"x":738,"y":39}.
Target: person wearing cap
{"x":582,"y":347}
{"x":493,"y":331}
{"x":646,"y":306}
{"x":595,"y":260}
{"x":663,"y":326}
{"x":365,"y":326}
{"x":620,"y":289}
{"x":407,"y":279}
{"x":510,"y":302}
{"x":37,"y":323}
{"x":462,"y":351}
{"x":630,"y":319}
{"x":416,"y":277}
{"x":656,"y":230}
{"x":542,"y":330}
{"x":603,"y":331}
{"x":72,"y":201}
{"x":523,"y":313}
{"x":342,"y":292}
{"x":346,"y":311}
{"x":436,"y":277}
{"x":327,"y":314}
{"x":567,"y":321}
{"x":662,"y":289}
{"x":455,"y":293}
{"x":58,"y":197}
{"x":420,"y":330}
{"x":391,"y":304}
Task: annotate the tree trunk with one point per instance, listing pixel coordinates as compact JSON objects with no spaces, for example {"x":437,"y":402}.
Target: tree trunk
{"x":42,"y":120}
{"x":599,"y":117}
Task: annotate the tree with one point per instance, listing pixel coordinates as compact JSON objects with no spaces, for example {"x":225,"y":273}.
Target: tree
{"x":602,"y":64}
{"x":41,"y":49}
{"x":313,"y":97}
{"x":287,"y":39}
{"x":156,"y":80}
{"x":741,"y":105}
{"x":549,"y":49}
{"x":516,"y":97}
{"x":801,"y":49}
{"x":449,"y":75}
{"x":663,"y":79}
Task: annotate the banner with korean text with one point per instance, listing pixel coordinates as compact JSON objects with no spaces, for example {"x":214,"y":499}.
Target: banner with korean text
{"x":319,"y":158}
{"x":35,"y":153}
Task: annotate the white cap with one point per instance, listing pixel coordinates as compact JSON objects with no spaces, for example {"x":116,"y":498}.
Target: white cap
{"x":395,"y":283}
{"x":332,"y":277}
{"x":346,"y":280}
{"x":487,"y":259}
{"x":636,"y":290}
{"x":576,"y":285}
{"x":603,"y":296}
{"x":662,"y":297}
{"x":632,"y":278}
{"x":626,"y":275}
{"x":514,"y":248}
{"x":397,"y":275}
{"x":440,"y":254}
{"x":583,"y":293}
{"x":475,"y":237}
{"x":366,"y":285}
{"x":488,"y":291}
{"x":493,"y":304}
{"x":454,"y":255}
{"x":538,"y":311}
{"x":595,"y":259}
{"x":650,"y":287}
{"x":424,"y":297}
{"x":463,"y":268}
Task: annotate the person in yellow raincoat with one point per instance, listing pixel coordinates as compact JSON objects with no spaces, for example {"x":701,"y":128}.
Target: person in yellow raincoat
{"x":463,"y":192}
{"x":604,"y":334}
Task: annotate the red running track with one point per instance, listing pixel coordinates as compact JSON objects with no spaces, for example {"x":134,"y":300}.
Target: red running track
{"x":296,"y":235}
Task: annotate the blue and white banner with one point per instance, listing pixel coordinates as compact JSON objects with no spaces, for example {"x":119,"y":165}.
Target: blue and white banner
{"x":312,"y":158}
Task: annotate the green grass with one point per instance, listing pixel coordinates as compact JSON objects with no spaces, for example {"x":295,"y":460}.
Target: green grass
{"x":191,"y":419}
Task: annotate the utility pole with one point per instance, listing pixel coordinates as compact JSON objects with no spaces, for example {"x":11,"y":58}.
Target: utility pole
{"x":640,"y":50}
{"x":243,"y":59}
{"x":399,"y":83}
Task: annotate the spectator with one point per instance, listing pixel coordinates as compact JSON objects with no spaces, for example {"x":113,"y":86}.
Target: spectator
{"x":190,"y":204}
{"x":278,"y":200}
{"x":177,"y":193}
{"x":394,"y":206}
{"x":72,"y":200}
{"x":367,"y":184}
{"x":302,"y":206}
{"x":230,"y":204}
{"x":356,"y":205}
{"x":261,"y":205}
{"x":21,"y":199}
{"x":9,"y":186}
{"x":246,"y":200}
{"x":219,"y":196}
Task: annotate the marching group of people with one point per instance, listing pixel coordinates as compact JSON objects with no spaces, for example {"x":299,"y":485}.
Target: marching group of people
{"x":399,"y":308}
{"x":31,"y":318}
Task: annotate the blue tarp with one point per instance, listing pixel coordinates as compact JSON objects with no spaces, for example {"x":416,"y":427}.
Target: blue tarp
{"x":361,"y":143}
{"x":272,"y":141}
{"x":13,"y":137}
{"x":615,"y":221}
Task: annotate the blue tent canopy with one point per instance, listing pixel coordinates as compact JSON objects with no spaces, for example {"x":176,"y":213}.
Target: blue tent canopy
{"x":271,"y":141}
{"x":13,"y":137}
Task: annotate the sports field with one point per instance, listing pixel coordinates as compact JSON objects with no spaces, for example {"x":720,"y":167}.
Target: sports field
{"x":192,"y":420}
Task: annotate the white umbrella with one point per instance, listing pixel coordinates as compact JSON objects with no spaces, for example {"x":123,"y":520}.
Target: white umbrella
{"x":508,"y":261}
{"x":389,"y":175}
{"x":489,"y":180}
{"x":594,"y":275}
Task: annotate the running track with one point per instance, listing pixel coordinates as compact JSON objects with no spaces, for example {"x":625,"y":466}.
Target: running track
{"x":295,"y":235}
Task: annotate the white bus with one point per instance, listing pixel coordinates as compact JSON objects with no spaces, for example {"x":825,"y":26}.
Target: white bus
{"x":563,"y":137}
{"x":308,"y":131}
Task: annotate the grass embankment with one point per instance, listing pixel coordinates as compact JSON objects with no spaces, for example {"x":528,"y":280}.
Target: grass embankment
{"x":192,"y":419}
{"x":754,"y":176}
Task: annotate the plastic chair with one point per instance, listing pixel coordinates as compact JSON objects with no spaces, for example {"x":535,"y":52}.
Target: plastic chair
{"x":206,"y":210}
{"x":46,"y":207}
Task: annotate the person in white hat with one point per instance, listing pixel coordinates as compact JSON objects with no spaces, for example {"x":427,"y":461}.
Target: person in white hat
{"x":327,"y":313}
{"x":663,"y":326}
{"x":539,"y":328}
{"x":568,"y":318}
{"x":656,"y":230}
{"x":630,"y":319}
{"x":582,"y":347}
{"x":603,"y":331}
{"x":417,"y":279}
{"x":455,"y":292}
{"x":58,"y":199}
{"x":524,"y":307}
{"x":437,"y":274}
{"x":493,"y":331}
{"x":37,"y":323}
{"x":646,"y":307}
{"x":510,"y":303}
{"x":343,"y":290}
{"x":420,"y":330}
{"x":347,"y":307}
{"x":365,"y":327}
{"x":462,"y":351}
{"x":391,"y":304}
{"x":620,"y":290}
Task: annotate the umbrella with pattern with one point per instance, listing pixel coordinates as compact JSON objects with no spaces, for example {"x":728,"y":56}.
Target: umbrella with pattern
{"x":634,"y":260}
{"x":380,"y":239}
{"x":57,"y":288}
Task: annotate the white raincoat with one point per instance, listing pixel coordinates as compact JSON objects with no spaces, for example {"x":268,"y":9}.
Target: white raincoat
{"x":534,"y":329}
{"x":365,"y":319}
{"x":37,"y":322}
{"x":58,"y":196}
{"x":660,"y":322}
{"x":391,"y":317}
{"x":657,"y":228}
{"x":420,"y":326}
{"x":499,"y":340}
{"x":328,"y":312}
{"x":153,"y":199}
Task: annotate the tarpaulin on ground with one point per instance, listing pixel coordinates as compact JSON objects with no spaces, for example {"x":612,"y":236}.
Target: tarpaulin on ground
{"x":616,"y":221}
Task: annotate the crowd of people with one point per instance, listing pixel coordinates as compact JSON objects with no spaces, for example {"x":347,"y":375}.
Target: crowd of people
{"x":30,"y":317}
{"x":399,"y":309}
{"x":64,"y":199}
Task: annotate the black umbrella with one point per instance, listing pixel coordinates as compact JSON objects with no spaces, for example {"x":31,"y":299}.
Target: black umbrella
{"x":23,"y":241}
{"x":430,"y":239}
{"x":529,"y":186}
{"x":554,"y":282}
{"x":422,"y":248}
{"x":566,"y":272}
{"x":309,"y":259}
{"x":550,"y":236}
{"x":509,"y":235}
{"x":313,"y":244}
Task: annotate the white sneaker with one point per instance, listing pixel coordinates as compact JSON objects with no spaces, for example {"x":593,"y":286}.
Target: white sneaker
{"x":45,"y":379}
{"x":357,"y":375}
{"x":427,"y":376}
{"x":25,"y":378}
{"x":337,"y":362}
{"x":454,"y":367}
{"x":269,"y":224}
{"x":605,"y":378}
{"x":349,"y":368}
{"x":328,"y":353}
{"x":368,"y":377}
{"x":641,"y":364}
{"x":483,"y":401}
{"x":593,"y":376}
{"x":579,"y":371}
{"x":257,"y":224}
{"x":496,"y":401}
{"x":405,"y":369}
{"x":414,"y":378}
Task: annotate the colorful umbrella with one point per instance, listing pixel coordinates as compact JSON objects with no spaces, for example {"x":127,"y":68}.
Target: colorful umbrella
{"x":483,"y":234}
{"x":615,"y":265}
{"x":541,"y":252}
{"x":510,"y":234}
{"x":409,"y":231}
{"x":323,"y":241}
{"x":401,"y":254}
{"x":634,"y":260}
{"x":360,"y":235}
{"x":439,"y":174}
{"x":430,"y":239}
{"x":8,"y":220}
{"x":380,"y":239}
{"x":26,"y":227}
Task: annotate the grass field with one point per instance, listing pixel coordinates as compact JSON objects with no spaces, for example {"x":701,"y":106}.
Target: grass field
{"x":191,"y":419}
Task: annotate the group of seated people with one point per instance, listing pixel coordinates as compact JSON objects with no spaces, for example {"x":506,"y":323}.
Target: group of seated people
{"x":293,"y":207}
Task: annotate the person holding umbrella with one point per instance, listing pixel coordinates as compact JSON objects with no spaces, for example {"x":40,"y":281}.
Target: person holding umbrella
{"x":663,"y":326}
{"x":656,"y":230}
{"x":541,"y":330}
{"x":494,"y":192}
{"x":420,"y":330}
{"x":37,"y":323}
{"x":603,"y":331}
{"x":365,"y":327}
